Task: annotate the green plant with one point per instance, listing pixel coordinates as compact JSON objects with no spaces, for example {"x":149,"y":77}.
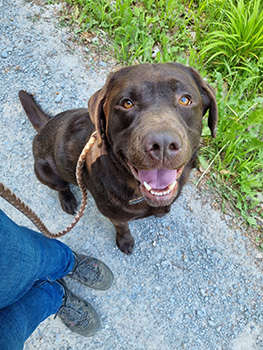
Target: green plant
{"x":237,"y":42}
{"x":237,"y":153}
{"x":136,"y":29}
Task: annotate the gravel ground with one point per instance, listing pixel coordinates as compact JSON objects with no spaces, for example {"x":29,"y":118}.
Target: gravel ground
{"x":193,"y":282}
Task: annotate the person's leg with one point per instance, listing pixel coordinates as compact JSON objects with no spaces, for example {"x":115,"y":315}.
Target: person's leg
{"x":27,"y":256}
{"x":19,"y":320}
{"x":30,"y":264}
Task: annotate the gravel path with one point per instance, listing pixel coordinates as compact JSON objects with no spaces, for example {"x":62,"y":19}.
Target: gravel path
{"x":193,"y":282}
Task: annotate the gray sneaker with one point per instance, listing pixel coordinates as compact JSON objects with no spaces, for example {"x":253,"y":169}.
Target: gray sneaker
{"x":91,"y":272}
{"x":77,"y":314}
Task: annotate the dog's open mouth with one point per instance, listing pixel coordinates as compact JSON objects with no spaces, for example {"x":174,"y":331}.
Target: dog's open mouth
{"x":158,"y":186}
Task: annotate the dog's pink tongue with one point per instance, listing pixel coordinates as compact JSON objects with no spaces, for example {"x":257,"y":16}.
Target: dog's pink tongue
{"x":158,"y":178}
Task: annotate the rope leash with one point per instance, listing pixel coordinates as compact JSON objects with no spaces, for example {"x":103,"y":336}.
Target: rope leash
{"x":14,"y":200}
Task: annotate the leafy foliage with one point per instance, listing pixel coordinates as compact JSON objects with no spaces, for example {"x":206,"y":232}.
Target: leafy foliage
{"x":236,"y":43}
{"x":137,"y":29}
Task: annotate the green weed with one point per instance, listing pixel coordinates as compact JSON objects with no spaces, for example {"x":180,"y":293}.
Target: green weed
{"x":145,"y":31}
{"x":236,"y":43}
{"x":237,"y":153}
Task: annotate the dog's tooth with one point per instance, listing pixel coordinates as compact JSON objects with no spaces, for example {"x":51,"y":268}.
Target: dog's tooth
{"x":158,"y":194}
{"x":162,"y":193}
{"x":171,"y":187}
{"x":147,"y":186}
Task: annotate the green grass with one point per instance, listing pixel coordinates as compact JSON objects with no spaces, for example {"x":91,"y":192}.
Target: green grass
{"x":136,"y":29}
{"x":238,"y":39}
{"x":235,"y":45}
{"x":224,"y":40}
{"x":238,"y":169}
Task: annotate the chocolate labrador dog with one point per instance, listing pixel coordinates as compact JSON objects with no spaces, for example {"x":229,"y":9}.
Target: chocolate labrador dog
{"x":148,"y":120}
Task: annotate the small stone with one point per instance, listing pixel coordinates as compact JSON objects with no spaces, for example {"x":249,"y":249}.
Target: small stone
{"x":211,"y":323}
{"x":4,"y":54}
{"x":103,"y":64}
{"x":58,"y":99}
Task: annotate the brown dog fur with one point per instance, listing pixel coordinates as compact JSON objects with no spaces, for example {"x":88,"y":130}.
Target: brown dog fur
{"x":148,"y":120}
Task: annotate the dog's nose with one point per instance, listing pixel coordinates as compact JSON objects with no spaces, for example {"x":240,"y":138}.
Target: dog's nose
{"x":162,"y":146}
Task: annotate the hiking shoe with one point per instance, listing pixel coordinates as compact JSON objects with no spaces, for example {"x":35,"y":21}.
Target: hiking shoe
{"x":77,"y":314}
{"x":91,"y":272}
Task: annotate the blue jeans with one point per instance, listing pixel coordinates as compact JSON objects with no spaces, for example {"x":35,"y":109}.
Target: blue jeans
{"x":30,"y":264}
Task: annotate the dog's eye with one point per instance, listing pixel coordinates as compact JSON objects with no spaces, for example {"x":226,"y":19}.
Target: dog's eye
{"x":185,"y":101}
{"x":127,"y":104}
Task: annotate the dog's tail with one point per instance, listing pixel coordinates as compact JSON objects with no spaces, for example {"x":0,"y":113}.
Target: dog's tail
{"x":37,"y":117}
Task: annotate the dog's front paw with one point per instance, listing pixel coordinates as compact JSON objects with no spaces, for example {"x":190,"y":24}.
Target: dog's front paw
{"x":68,"y":201}
{"x":125,"y":243}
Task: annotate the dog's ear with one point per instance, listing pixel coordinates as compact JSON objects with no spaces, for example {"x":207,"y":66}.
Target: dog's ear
{"x":96,"y":113}
{"x":209,"y":100}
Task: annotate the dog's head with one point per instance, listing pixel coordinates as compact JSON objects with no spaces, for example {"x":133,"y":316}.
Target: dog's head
{"x":151,"y":117}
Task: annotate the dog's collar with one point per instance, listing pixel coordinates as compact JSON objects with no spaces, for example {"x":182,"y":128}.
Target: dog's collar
{"x":136,"y":200}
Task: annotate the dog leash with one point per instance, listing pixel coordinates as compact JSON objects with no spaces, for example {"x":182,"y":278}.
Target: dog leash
{"x":14,"y":200}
